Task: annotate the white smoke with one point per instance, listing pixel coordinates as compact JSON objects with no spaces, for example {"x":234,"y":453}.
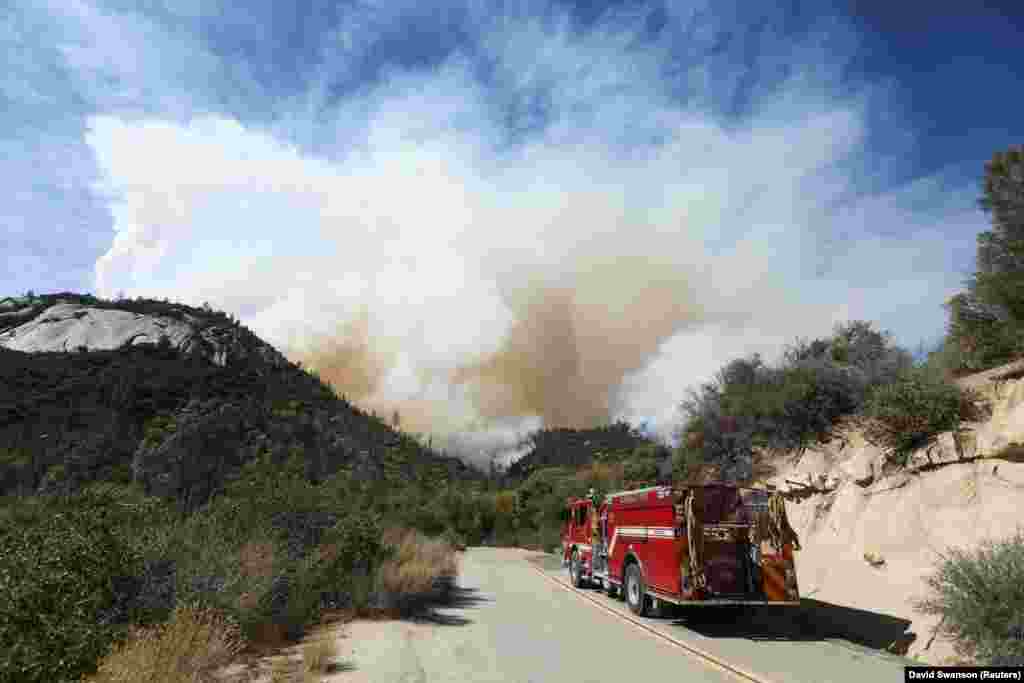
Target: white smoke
{"x":483,"y":281}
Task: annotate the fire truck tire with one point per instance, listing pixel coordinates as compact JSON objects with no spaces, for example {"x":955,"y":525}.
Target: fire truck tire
{"x":636,"y":591}
{"x":576,"y":570}
{"x":611,"y":590}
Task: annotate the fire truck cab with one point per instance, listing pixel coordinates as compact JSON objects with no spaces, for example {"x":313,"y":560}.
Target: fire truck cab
{"x":707,"y":544}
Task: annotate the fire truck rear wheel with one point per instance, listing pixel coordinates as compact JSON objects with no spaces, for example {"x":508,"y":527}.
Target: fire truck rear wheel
{"x":611,"y":590}
{"x":636,"y":591}
{"x":576,"y":570}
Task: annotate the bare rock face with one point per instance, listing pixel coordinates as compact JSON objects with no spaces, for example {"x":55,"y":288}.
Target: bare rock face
{"x":871,"y":535}
{"x":1006,"y":426}
{"x":67,"y":327}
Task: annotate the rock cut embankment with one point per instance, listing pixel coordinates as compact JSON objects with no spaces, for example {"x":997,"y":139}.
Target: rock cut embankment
{"x":871,"y":535}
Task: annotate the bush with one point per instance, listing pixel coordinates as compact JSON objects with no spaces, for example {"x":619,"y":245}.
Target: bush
{"x":419,"y":569}
{"x":980,"y":336}
{"x":642,"y":468}
{"x":687,"y":462}
{"x":980,"y":596}
{"x":225,"y":559}
{"x":342,"y":573}
{"x":549,"y":539}
{"x":788,"y":407}
{"x":63,"y":583}
{"x":453,"y":538}
{"x":909,"y":413}
{"x":295,"y":598}
{"x":189,"y":648}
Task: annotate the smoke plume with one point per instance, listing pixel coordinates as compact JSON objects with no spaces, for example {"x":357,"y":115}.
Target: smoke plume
{"x":552,"y":224}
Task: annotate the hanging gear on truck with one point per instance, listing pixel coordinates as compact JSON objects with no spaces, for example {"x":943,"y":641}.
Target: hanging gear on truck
{"x":779,"y":530}
{"x":695,"y":538}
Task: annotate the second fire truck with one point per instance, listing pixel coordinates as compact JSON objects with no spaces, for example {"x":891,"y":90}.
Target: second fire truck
{"x":708,"y":544}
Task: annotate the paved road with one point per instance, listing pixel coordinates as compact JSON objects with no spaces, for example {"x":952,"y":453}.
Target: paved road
{"x":516,"y":621}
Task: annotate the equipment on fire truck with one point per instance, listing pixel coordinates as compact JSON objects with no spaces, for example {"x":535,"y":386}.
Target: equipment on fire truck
{"x":779,"y":530}
{"x":694,"y":537}
{"x":597,"y":528}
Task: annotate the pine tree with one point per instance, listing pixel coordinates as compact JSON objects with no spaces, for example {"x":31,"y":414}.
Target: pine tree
{"x":986,"y":321}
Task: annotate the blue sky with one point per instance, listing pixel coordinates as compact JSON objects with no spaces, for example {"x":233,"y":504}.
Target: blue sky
{"x":508,"y":212}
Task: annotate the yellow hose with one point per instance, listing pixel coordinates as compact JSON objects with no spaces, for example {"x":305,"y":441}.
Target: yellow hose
{"x":779,"y":530}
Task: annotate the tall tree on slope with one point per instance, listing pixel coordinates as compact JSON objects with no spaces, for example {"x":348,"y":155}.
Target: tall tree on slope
{"x":986,"y":321}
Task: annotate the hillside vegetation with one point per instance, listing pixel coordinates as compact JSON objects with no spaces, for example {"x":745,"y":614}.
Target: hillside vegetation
{"x":179,"y":425}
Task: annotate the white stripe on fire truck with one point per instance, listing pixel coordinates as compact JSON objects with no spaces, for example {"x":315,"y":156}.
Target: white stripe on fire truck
{"x":640,"y":532}
{"x":661,"y":532}
{"x":646,"y":531}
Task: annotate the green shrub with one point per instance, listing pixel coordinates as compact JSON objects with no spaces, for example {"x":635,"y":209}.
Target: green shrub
{"x":56,"y":473}
{"x":908,"y":413}
{"x":341,"y":571}
{"x":980,"y":596}
{"x":358,"y":537}
{"x":211,"y":551}
{"x":240,"y":563}
{"x":943,"y":361}
{"x":62,"y":579}
{"x":121,"y":473}
{"x":454,"y":539}
{"x":640,"y":469}
{"x":158,"y":428}
{"x":980,"y":336}
{"x":686,"y":463}
{"x":16,"y":457}
{"x":296,"y":598}
{"x":549,"y":538}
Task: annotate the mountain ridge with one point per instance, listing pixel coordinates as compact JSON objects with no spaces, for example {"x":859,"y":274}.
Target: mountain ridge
{"x":175,"y":399}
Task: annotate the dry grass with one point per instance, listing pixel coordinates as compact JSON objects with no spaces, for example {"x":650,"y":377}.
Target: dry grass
{"x":282,"y":671}
{"x":419,"y":562}
{"x":189,"y":648}
{"x":318,"y":656}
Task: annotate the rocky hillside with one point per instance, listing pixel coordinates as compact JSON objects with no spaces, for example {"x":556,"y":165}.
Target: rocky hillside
{"x":175,"y":398}
{"x":871,"y":535}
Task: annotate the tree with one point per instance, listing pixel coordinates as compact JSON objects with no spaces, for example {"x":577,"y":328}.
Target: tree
{"x":985,"y":322}
{"x":979,"y":335}
{"x":1002,"y":248}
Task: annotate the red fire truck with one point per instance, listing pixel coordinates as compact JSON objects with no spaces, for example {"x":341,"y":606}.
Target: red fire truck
{"x":707,"y":544}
